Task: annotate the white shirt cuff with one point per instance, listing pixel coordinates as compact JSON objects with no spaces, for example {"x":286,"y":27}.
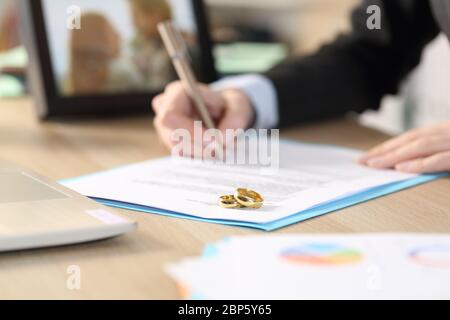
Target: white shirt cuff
{"x":261,"y":93}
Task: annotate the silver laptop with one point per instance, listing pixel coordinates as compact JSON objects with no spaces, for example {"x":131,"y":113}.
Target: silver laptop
{"x":35,"y":212}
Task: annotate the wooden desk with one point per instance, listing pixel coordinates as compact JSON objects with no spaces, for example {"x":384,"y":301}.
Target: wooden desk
{"x":131,"y":266}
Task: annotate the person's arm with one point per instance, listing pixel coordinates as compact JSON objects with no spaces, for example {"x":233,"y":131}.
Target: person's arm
{"x":355,"y":71}
{"x":352,"y":73}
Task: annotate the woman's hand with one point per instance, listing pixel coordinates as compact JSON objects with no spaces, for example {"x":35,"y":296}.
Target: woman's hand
{"x":424,"y":150}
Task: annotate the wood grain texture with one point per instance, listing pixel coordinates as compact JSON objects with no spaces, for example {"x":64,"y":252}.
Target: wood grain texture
{"x":131,"y":267}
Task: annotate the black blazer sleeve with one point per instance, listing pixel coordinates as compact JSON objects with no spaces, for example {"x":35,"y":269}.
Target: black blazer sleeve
{"x":357,"y":69}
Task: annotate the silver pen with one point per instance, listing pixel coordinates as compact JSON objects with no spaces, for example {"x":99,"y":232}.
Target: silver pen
{"x":177,"y":50}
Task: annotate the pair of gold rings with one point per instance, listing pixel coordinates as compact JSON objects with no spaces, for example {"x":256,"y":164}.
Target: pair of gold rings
{"x":242,"y":198}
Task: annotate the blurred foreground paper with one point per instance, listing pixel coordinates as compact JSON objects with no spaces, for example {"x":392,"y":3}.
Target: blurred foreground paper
{"x":364,"y":266}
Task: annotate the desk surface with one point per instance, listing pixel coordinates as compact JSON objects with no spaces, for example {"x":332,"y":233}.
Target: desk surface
{"x":131,"y":266}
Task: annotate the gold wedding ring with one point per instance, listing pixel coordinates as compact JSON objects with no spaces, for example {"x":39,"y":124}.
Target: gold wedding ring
{"x":242,"y":198}
{"x":228,"y":202}
{"x":248,"y":198}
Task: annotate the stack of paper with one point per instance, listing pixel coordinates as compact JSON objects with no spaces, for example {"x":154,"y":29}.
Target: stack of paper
{"x":366,"y":266}
{"x":311,"y":180}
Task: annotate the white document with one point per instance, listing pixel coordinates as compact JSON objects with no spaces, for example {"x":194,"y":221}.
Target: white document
{"x":364,"y":266}
{"x":309,"y":175}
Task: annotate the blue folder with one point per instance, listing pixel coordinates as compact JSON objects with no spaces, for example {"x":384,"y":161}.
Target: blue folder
{"x":323,"y":208}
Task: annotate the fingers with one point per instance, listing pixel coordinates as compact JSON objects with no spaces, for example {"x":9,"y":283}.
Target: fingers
{"x":418,"y":151}
{"x":439,"y":162}
{"x":403,"y":139}
{"x":237,"y":113}
{"x":231,"y":109}
{"x":174,"y":110}
{"x":166,"y":122}
{"x":157,"y":103}
{"x":418,"y":148}
{"x":390,"y":145}
{"x":213,"y":100}
{"x":175,"y":98}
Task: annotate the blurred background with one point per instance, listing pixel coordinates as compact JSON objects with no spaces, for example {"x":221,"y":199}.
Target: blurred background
{"x":253,"y":35}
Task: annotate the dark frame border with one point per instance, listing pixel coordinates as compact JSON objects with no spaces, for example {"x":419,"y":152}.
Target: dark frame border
{"x":58,"y":106}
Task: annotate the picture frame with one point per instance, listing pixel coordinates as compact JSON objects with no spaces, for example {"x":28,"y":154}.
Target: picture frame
{"x":49,"y":101}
